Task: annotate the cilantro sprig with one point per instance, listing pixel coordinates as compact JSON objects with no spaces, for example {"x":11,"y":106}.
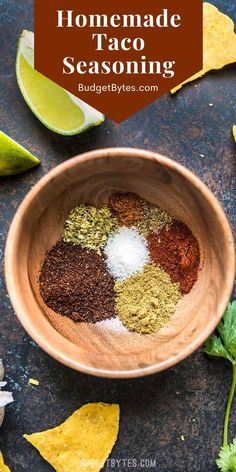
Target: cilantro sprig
{"x":223,"y":344}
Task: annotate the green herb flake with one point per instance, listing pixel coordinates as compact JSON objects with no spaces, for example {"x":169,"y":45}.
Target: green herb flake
{"x":227,"y":458}
{"x":89,"y":227}
{"x":152,"y":218}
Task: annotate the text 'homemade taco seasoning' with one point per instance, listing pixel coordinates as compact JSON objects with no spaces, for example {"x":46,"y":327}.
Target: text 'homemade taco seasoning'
{"x":75,"y":283}
{"x":146,"y":301}
{"x":177,"y":251}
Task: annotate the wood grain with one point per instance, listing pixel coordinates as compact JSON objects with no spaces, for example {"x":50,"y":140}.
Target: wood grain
{"x":91,"y":178}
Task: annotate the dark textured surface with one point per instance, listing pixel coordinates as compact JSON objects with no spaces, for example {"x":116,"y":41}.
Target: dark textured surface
{"x":187,"y":400}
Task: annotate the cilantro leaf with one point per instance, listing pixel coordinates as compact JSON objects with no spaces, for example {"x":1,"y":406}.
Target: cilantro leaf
{"x":224,"y":345}
{"x":227,"y":329}
{"x":213,"y":346}
{"x":227,"y":458}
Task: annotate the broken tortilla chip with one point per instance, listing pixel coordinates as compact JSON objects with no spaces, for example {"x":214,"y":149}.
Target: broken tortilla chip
{"x":234,"y":132}
{"x":3,"y":466}
{"x":219,"y":42}
{"x":33,"y":382}
{"x":83,"y":442}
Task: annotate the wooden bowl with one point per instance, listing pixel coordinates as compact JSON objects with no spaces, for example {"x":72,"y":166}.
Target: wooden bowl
{"x":91,"y":178}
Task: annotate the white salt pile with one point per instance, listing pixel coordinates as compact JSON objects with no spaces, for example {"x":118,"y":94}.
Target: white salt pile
{"x":113,"y":325}
{"x":126,"y":253}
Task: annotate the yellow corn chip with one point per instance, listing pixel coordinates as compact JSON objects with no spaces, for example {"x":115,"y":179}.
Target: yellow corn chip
{"x":234,"y":132}
{"x":3,"y":467}
{"x":219,"y":42}
{"x":83,"y":442}
{"x":33,"y":382}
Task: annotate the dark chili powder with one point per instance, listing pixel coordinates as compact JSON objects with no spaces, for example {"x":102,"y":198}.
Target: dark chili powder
{"x":75,"y":283}
{"x":177,"y":251}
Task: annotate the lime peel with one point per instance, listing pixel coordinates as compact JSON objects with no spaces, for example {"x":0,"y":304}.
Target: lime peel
{"x":14,"y":158}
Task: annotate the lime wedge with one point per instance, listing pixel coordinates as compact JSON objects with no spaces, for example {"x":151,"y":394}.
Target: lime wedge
{"x":14,"y":158}
{"x":56,"y":108}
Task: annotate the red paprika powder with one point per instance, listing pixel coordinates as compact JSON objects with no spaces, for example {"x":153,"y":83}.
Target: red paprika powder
{"x":177,"y":251}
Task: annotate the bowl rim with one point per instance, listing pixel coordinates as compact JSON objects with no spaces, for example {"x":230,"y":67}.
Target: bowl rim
{"x":10,"y":255}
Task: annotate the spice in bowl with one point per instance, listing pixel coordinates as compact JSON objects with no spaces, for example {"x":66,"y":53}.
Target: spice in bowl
{"x":75,"y":283}
{"x":126,"y":253}
{"x":128,"y":261}
{"x":126,"y":208}
{"x":176,"y":250}
{"x":152,"y":218}
{"x":89,"y":226}
{"x":146,"y":301}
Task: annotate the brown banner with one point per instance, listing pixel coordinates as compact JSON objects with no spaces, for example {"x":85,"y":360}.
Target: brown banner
{"x":118,"y":57}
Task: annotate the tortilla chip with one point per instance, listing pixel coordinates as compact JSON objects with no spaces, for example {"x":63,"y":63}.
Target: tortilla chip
{"x":33,"y":382}
{"x":219,"y":42}
{"x":83,"y":442}
{"x":3,"y":467}
{"x":234,"y":132}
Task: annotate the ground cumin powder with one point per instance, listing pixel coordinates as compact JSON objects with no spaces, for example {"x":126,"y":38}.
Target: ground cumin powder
{"x":146,"y":301}
{"x":177,"y":251}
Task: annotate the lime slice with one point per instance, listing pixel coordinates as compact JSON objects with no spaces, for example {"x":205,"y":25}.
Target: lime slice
{"x":14,"y":158}
{"x":56,"y":108}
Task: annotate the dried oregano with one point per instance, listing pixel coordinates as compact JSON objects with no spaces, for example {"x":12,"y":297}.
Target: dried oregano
{"x":146,"y":301}
{"x":152,"y":218}
{"x":131,"y":210}
{"x":89,"y":226}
